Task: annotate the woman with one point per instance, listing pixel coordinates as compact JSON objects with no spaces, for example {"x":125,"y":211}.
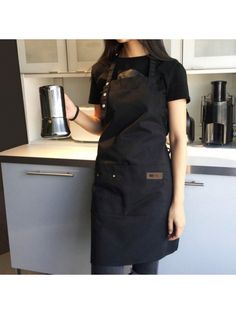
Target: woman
{"x":140,"y":95}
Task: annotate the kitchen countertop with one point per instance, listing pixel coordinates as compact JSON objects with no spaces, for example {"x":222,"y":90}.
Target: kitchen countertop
{"x":52,"y":151}
{"x":69,"y":152}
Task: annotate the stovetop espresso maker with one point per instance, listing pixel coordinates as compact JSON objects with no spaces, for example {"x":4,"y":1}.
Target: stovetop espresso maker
{"x":54,"y":122}
{"x":217,"y":115}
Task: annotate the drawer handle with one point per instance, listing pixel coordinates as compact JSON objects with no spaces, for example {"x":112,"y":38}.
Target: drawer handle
{"x":42,"y":173}
{"x":194,"y":183}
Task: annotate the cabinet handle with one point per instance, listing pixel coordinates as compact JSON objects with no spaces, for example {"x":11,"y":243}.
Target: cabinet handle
{"x":194,"y":183}
{"x":41,"y":173}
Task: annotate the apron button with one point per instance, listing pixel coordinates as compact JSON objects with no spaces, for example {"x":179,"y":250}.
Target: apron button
{"x":103,"y":105}
{"x":104,"y":94}
{"x":113,"y":175}
{"x":107,"y":83}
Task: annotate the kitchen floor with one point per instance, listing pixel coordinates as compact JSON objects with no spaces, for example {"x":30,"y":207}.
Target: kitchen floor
{"x":6,"y":269}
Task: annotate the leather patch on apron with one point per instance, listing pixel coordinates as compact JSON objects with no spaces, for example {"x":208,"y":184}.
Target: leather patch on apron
{"x":154,"y":175}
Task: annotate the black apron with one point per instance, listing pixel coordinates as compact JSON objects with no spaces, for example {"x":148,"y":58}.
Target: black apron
{"x":132,"y":189}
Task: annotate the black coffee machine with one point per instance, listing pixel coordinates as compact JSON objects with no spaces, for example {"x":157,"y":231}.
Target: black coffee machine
{"x":217,"y":115}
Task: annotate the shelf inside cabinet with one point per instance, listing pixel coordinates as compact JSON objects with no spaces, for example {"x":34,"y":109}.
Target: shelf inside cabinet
{"x":57,"y":75}
{"x":210,"y":71}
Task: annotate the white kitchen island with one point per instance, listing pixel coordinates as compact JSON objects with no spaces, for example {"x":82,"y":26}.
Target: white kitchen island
{"x":47,"y":189}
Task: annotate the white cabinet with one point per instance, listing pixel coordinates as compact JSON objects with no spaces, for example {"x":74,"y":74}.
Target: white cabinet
{"x":207,"y":245}
{"x":45,"y":56}
{"x":174,"y":48}
{"x":48,"y":217}
{"x":82,"y":54}
{"x":209,"y":53}
{"x":42,"y":56}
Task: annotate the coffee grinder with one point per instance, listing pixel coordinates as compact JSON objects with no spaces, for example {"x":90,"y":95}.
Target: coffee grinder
{"x":217,"y":115}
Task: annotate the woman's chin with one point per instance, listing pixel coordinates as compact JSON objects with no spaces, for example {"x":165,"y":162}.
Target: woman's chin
{"x":122,"y":41}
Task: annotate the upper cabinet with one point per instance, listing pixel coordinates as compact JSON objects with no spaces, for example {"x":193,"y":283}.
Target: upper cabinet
{"x":209,"y":54}
{"x":174,"y":48}
{"x":45,"y":56}
{"x":42,"y":56}
{"x":82,"y":54}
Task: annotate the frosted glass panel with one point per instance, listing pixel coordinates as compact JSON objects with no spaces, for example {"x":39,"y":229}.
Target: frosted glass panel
{"x":89,"y":50}
{"x":167,"y":44}
{"x":41,"y":51}
{"x":211,"y":48}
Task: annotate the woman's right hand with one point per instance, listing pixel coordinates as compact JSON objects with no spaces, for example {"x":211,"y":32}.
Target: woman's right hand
{"x":70,"y":107}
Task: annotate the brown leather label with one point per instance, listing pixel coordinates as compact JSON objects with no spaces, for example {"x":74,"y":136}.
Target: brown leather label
{"x":154,"y":175}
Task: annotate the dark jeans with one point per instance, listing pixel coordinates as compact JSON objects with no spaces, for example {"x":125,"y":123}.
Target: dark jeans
{"x":150,"y":268}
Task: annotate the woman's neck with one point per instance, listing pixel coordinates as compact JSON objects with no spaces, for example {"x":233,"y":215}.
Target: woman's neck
{"x":133,"y":48}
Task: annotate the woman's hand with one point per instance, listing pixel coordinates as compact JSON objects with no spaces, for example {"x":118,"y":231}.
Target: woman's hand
{"x":176,"y":221}
{"x":70,"y":107}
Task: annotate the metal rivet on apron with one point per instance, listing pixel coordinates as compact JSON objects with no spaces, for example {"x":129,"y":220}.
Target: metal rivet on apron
{"x":97,"y":174}
{"x":103,"y":105}
{"x":113,"y":175}
{"x":104,"y":94}
{"x":107,"y":83}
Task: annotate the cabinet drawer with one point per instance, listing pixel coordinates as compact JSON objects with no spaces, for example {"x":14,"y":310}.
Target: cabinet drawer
{"x":207,"y":245}
{"x":48,"y":217}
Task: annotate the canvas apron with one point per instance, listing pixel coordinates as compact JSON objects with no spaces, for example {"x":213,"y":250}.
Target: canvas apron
{"x":132,"y":189}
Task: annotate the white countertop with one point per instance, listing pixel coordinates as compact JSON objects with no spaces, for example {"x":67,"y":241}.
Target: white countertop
{"x":197,"y":155}
{"x":60,"y":149}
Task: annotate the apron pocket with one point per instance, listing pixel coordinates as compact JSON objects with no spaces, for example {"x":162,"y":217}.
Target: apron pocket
{"x":124,"y":189}
{"x":107,"y":190}
{"x":146,"y":184}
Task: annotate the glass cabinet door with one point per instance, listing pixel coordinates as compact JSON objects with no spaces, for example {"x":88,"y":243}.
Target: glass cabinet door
{"x":42,"y":56}
{"x":82,"y":54}
{"x":174,"y":48}
{"x":209,"y":53}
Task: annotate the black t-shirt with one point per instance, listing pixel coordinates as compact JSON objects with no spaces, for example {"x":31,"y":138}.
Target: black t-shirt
{"x":171,"y":73}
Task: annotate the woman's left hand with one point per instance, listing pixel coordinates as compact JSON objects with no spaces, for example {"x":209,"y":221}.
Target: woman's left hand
{"x":176,"y":221}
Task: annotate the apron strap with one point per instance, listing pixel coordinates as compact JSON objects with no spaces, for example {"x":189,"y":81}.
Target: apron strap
{"x":103,"y":98}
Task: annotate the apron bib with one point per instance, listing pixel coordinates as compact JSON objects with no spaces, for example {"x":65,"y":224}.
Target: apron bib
{"x":132,"y":189}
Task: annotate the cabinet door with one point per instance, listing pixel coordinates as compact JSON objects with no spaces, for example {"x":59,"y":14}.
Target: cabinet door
{"x":82,"y":54}
{"x":42,"y":56}
{"x":48,"y":217}
{"x":209,"y":54}
{"x":174,"y":48}
{"x":207,"y":245}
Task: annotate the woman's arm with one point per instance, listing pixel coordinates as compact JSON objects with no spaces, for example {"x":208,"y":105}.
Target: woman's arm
{"x":178,"y":147}
{"x":90,"y":123}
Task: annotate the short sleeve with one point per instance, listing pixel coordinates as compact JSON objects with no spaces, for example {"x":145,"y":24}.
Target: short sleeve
{"x":177,"y":87}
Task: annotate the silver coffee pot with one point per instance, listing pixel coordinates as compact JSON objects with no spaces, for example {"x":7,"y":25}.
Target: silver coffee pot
{"x":54,"y":121}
